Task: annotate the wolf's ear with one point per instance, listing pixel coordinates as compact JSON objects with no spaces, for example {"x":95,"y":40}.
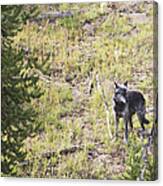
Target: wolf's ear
{"x":115,"y":84}
{"x":126,"y":83}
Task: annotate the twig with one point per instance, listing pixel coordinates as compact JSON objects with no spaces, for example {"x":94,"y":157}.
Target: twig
{"x":145,"y":161}
{"x":107,"y":110}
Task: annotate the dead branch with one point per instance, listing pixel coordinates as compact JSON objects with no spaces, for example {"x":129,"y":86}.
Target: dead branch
{"x":65,"y":151}
{"x":49,"y":154}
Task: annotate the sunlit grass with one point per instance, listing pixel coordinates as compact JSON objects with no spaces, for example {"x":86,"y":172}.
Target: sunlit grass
{"x":112,"y":51}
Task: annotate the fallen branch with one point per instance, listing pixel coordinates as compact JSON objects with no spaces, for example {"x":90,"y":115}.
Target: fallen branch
{"x":65,"y":151}
{"x":50,"y":154}
{"x":51,"y":16}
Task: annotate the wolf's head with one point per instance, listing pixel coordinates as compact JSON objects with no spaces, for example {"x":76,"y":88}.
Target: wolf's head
{"x":120,"y":92}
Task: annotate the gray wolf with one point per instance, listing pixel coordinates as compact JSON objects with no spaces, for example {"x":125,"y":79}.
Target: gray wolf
{"x":126,"y":104}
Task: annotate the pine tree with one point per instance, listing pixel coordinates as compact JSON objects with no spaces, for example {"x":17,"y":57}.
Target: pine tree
{"x":19,"y":87}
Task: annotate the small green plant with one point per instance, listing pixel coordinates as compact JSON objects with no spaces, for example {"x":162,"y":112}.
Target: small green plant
{"x":139,"y":161}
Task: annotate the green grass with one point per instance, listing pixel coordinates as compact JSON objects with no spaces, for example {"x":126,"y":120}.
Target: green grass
{"x":67,"y":118}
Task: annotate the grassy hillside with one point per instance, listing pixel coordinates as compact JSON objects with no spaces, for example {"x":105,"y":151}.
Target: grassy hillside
{"x":84,"y":48}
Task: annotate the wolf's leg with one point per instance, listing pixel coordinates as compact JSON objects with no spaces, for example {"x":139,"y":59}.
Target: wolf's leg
{"x":116,"y":118}
{"x":130,"y":121}
{"x":126,"y":130}
{"x":141,"y":119}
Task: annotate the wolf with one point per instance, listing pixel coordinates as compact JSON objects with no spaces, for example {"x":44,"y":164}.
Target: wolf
{"x":126,"y":103}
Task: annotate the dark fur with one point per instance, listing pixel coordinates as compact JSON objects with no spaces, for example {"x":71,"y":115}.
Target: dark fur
{"x":126,"y":104}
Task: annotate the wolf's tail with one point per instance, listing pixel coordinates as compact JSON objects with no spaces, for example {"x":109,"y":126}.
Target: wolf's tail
{"x":145,"y":121}
{"x":142,"y":114}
